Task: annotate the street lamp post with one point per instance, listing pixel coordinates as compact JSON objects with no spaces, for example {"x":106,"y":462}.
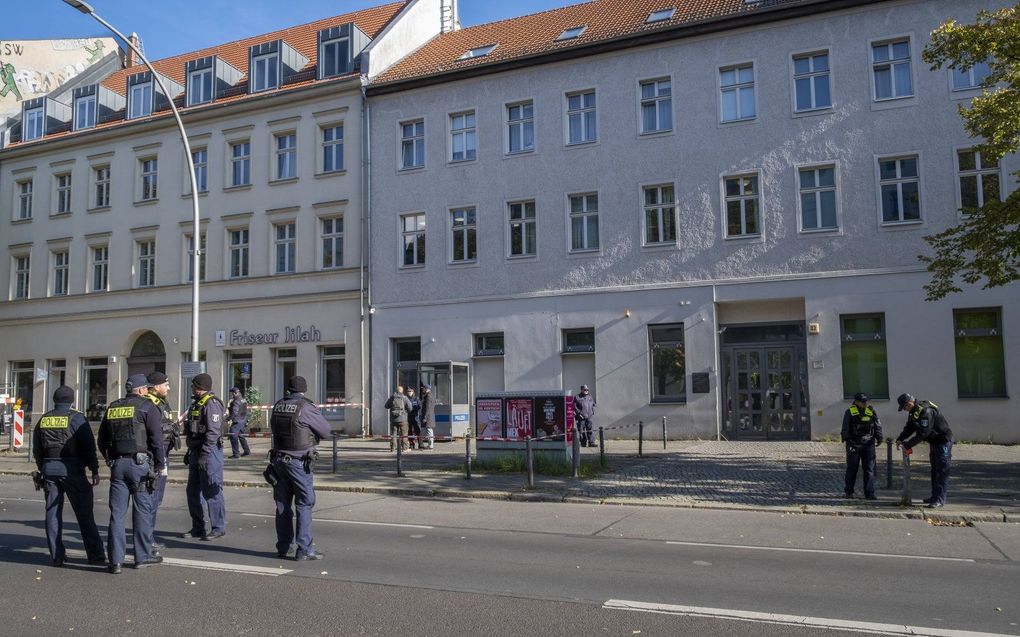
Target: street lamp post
{"x":87,"y":9}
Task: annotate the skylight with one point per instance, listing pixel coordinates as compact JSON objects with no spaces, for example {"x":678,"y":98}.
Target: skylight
{"x":572,"y":33}
{"x":660,"y":15}
{"x":478,"y":52}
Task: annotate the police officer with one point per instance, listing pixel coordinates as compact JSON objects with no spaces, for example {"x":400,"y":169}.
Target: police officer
{"x":427,"y":416}
{"x":398,"y":406}
{"x":205,"y":461}
{"x":131,"y":441}
{"x":925,"y":423}
{"x":584,"y":411}
{"x":159,"y":389}
{"x":413,"y":422}
{"x":297,"y":426}
{"x":63,"y":446}
{"x":861,"y":433}
{"x":238,"y":410}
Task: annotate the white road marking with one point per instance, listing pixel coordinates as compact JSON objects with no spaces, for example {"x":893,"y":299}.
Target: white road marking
{"x":823,"y":551}
{"x":792,"y":620}
{"x":199,"y":564}
{"x":6,"y":500}
{"x":394,"y":524}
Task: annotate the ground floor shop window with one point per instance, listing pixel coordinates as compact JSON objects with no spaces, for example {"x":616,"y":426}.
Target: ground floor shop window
{"x":22,"y":382}
{"x":286,"y":366}
{"x":980,"y":363}
{"x":406,"y":356}
{"x":865,"y":368}
{"x":95,"y":375}
{"x":668,"y":363}
{"x":57,"y":377}
{"x":239,"y":370}
{"x":333,"y":390}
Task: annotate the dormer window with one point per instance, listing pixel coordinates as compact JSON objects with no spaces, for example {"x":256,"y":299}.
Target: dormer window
{"x":478,"y":52}
{"x":35,"y":124}
{"x":140,"y":100}
{"x":339,"y":48}
{"x":200,"y":86}
{"x":571,"y":34}
{"x":265,"y":72}
{"x":333,"y":57}
{"x":85,"y":112}
{"x":660,"y":16}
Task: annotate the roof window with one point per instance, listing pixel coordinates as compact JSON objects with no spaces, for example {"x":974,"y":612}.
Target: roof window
{"x":572,"y":33}
{"x":660,"y":15}
{"x":478,"y":52}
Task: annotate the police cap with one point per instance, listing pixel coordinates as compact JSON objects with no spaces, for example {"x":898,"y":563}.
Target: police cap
{"x":861,"y":397}
{"x":903,"y":400}
{"x":157,"y":378}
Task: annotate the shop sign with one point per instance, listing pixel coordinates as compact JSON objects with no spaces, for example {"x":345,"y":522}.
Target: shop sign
{"x":295,"y":334}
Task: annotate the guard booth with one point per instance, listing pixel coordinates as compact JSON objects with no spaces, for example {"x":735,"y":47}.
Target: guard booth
{"x":507,"y":419}
{"x":451,"y":389}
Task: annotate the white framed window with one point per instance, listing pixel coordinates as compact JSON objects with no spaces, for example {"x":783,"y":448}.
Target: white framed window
{"x":189,"y":251}
{"x":492,"y":344}
{"x":25,"y":188}
{"x":332,"y":242}
{"x":818,"y":205}
{"x":736,"y":84}
{"x":743,"y":209}
{"x":978,"y":178}
{"x":240,"y":163}
{"x":286,"y":155}
{"x":890,"y":62}
{"x":811,"y":81}
{"x":463,"y":137}
{"x":240,"y":244}
{"x":146,"y":249}
{"x":265,"y":72}
{"x":412,"y":234}
{"x":333,"y":57}
{"x":101,"y":187}
{"x":520,"y":125}
{"x":63,"y":194}
{"x":412,"y":144}
{"x":972,"y":78}
{"x":584,"y":222}
{"x":463,"y":228}
{"x":900,"y":185}
{"x":579,"y":340}
{"x":523,"y":229}
{"x":61,"y":270}
{"x":35,"y":124}
{"x":582,"y":125}
{"x":332,"y":148}
{"x":150,"y":178}
{"x":285,"y":247}
{"x":22,"y":276}
{"x":656,"y":105}
{"x":100,"y":280}
{"x":660,"y":214}
{"x":140,"y":100}
{"x":200,"y":158}
{"x":85,"y":112}
{"x":668,"y":363}
{"x":200,"y":87}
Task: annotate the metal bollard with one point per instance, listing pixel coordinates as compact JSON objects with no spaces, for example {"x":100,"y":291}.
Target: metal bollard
{"x":906,"y":500}
{"x":336,"y":436}
{"x":531,"y":464}
{"x":888,"y":463}
{"x":663,"y":433}
{"x":575,"y":454}
{"x":467,"y":454}
{"x":400,"y":458}
{"x":641,"y":438}
{"x":602,"y":446}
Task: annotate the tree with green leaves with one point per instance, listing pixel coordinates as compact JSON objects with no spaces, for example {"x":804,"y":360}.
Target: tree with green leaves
{"x":985,"y":246}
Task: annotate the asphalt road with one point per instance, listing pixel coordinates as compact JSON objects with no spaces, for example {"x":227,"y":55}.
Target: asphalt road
{"x":473,"y":567}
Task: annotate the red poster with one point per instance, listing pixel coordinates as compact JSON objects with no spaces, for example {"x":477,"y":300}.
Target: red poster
{"x":489,"y":413}
{"x":519,"y":418}
{"x":568,"y":409}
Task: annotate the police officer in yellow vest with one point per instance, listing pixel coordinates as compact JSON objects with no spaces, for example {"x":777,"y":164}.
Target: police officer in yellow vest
{"x":63,"y":446}
{"x":861,"y":433}
{"x":205,"y":461}
{"x":131,"y":441}
{"x":159,"y":389}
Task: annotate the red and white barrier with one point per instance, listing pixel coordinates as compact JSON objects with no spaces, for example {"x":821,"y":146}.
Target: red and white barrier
{"x":18,"y":432}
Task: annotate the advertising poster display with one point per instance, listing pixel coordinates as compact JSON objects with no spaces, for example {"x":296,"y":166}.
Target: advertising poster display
{"x":519,"y":418}
{"x":550,"y":414}
{"x":568,"y":407}
{"x":489,"y":412}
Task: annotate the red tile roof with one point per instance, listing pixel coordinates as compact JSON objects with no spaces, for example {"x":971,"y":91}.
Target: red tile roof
{"x":537,"y":33}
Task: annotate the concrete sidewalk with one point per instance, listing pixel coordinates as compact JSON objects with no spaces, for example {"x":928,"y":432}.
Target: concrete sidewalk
{"x":791,"y":477}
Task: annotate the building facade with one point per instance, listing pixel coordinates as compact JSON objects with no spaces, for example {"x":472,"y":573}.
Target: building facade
{"x":99,"y":236}
{"x":710,"y":214}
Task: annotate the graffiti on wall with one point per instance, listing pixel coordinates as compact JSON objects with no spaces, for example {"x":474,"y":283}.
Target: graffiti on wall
{"x":33,"y":68}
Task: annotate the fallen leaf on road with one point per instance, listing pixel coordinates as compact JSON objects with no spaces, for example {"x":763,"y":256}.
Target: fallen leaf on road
{"x":998,"y":610}
{"x":324,"y":573}
{"x":38,"y":571}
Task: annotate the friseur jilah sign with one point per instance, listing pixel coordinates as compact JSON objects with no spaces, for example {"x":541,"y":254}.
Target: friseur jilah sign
{"x":296,"y":334}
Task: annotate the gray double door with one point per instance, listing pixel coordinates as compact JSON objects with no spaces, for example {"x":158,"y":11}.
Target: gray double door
{"x":765,"y":393}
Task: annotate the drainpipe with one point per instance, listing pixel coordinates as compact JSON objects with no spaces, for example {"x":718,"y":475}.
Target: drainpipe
{"x":366,"y":281}
{"x":721,"y":401}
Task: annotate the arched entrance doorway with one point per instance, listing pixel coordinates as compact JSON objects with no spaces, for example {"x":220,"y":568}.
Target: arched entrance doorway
{"x":147,"y":355}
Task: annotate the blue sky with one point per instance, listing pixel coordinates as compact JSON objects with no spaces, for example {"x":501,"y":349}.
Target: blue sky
{"x":169,"y":27}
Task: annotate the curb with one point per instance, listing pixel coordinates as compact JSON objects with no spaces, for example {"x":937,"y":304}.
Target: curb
{"x":963,"y":518}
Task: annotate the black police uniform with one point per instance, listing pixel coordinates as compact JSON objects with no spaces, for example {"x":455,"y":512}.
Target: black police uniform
{"x":925,"y":423}
{"x":131,"y":441}
{"x":205,"y":467}
{"x":63,"y":447}
{"x":861,"y":432}
{"x":171,"y":440}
